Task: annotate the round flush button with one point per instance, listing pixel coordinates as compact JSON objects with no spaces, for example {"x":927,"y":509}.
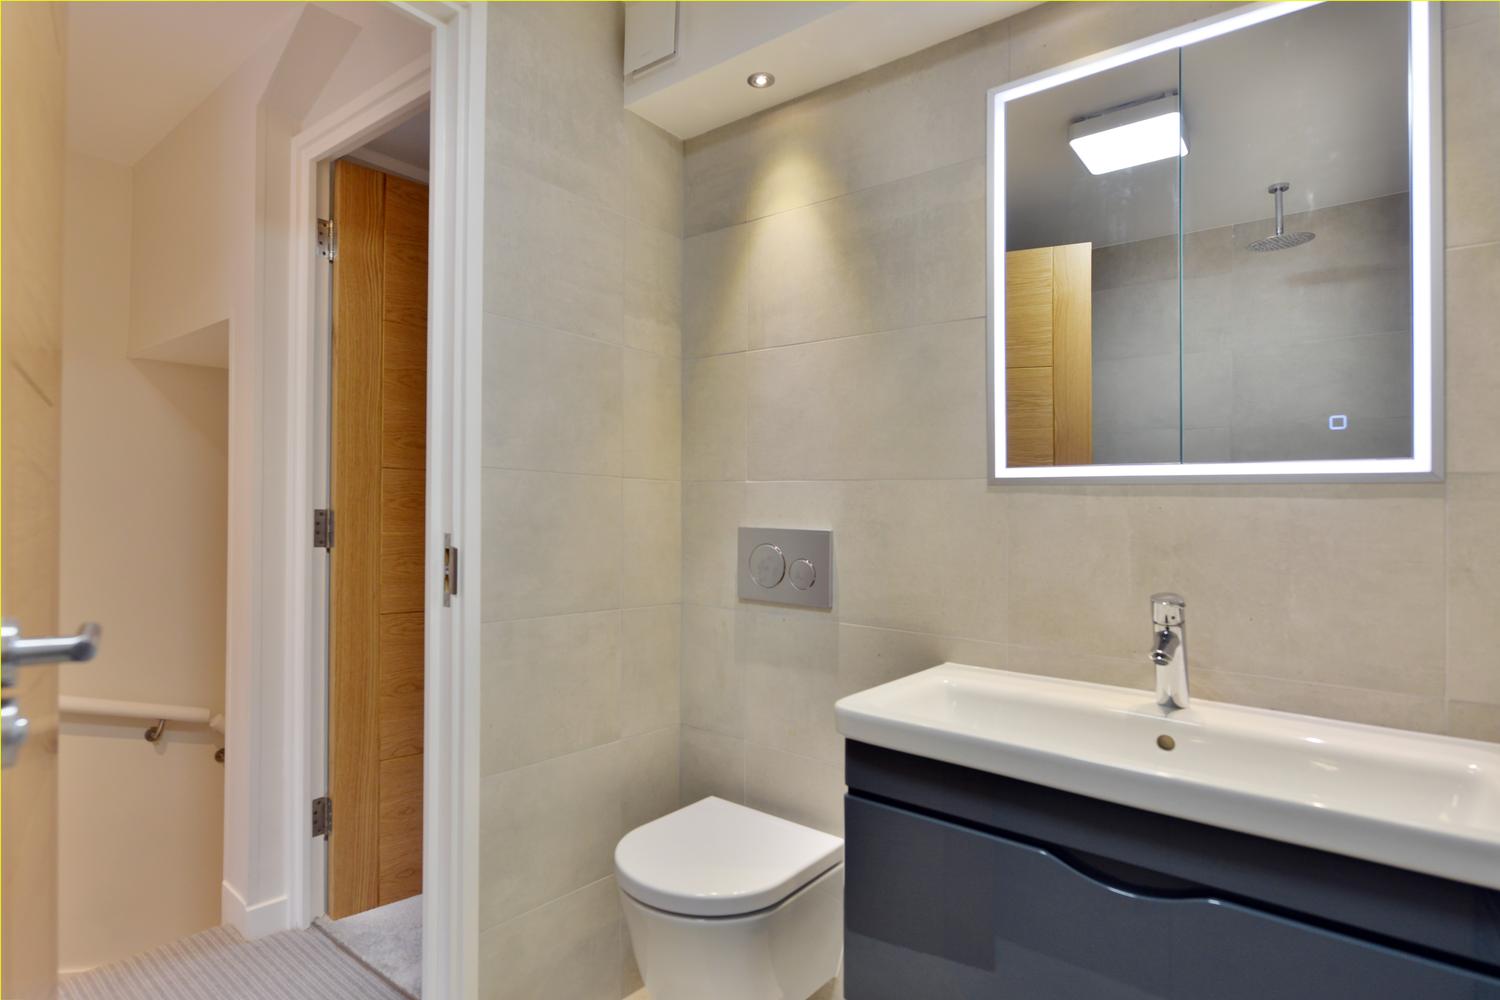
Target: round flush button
{"x":803,"y":575}
{"x":767,"y":565}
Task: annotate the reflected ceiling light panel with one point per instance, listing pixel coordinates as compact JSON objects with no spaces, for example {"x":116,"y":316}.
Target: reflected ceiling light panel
{"x":760,"y":81}
{"x":1129,"y":135}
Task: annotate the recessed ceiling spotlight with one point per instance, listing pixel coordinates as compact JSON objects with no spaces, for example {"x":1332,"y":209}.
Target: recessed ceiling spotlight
{"x":760,"y":81}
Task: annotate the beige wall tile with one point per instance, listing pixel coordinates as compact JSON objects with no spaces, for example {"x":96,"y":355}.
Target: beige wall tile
{"x":711,"y":516}
{"x":551,"y":545}
{"x":553,"y":259}
{"x":712,"y":764}
{"x":713,"y":418}
{"x":899,"y":255}
{"x":572,"y":133}
{"x":653,"y":416}
{"x":909,"y":404}
{"x":654,"y":181}
{"x":649,"y":767}
{"x":651,"y":557}
{"x":650,"y":650}
{"x":1472,"y":343}
{"x":568,"y":949}
{"x":788,"y":659}
{"x":546,"y":830}
{"x":553,"y":402}
{"x":1473,"y":721}
{"x":713,"y":679}
{"x":806,"y":791}
{"x":716,"y":292}
{"x":868,"y":657}
{"x":1474,"y":588}
{"x":1377,"y":708}
{"x":550,"y":686}
{"x":923,"y":556}
{"x":653,"y":290}
{"x":1471,"y":105}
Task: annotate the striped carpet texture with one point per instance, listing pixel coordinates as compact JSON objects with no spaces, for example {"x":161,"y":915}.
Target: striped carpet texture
{"x":219,"y":964}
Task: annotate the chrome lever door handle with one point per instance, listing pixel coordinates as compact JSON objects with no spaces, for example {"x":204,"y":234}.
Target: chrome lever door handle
{"x":17,"y":651}
{"x":13,"y":730}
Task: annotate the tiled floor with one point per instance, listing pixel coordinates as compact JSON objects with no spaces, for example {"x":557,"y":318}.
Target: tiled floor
{"x":829,"y":992}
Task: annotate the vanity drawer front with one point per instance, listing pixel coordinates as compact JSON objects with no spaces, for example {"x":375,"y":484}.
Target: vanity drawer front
{"x":937,"y":910}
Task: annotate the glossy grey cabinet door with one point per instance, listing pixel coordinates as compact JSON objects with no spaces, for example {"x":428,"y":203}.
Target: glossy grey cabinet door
{"x":937,"y":910}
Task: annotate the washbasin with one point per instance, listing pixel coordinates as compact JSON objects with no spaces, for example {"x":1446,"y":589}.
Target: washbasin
{"x":1425,"y":803}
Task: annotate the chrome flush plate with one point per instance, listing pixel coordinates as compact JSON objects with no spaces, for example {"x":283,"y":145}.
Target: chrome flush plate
{"x":786,"y":566}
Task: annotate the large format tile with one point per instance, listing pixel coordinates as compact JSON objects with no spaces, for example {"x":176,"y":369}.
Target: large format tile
{"x":553,"y":400}
{"x":1049,"y":35}
{"x":869,"y":657}
{"x":909,"y":404}
{"x":788,"y":660}
{"x":1472,"y":345}
{"x":1471,"y":105}
{"x":651,"y":546}
{"x":712,"y":764}
{"x":716,"y":292}
{"x":1376,"y":708}
{"x":552,"y":258}
{"x":550,"y":686}
{"x":714,"y":418}
{"x":654,"y":177}
{"x":556,"y":116}
{"x":551,"y":545}
{"x":650,"y":777}
{"x":652,"y":416}
{"x":810,"y":792}
{"x":650,"y":650}
{"x":713,"y":678}
{"x":904,"y":254}
{"x":653,"y":290}
{"x":711,"y":516}
{"x":923,"y":556}
{"x":1474,"y":588}
{"x":568,"y":949}
{"x":546,"y":830}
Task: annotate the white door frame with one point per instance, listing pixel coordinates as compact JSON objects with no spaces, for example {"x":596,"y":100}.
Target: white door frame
{"x":451,"y":82}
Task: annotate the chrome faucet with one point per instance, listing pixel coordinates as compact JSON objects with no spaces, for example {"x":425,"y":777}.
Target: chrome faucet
{"x":1169,"y":650}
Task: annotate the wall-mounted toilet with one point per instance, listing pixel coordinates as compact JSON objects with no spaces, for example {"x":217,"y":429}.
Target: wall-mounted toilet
{"x":728,"y":903}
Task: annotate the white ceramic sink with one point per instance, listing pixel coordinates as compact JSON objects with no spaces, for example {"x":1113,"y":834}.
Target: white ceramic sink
{"x":1425,"y":803}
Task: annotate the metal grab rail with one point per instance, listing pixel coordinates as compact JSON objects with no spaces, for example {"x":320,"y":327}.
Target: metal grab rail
{"x":72,"y":704}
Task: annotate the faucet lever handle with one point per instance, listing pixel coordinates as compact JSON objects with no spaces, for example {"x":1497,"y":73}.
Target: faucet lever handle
{"x":1167,"y":609}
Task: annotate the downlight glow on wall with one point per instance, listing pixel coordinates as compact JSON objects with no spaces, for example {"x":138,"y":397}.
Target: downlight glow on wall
{"x":1126,"y":136}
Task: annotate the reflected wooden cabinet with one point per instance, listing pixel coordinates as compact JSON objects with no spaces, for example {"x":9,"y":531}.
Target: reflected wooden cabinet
{"x":1049,"y":355}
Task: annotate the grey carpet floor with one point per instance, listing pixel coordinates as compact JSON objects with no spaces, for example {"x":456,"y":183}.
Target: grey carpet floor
{"x":388,"y":938}
{"x":219,"y":964}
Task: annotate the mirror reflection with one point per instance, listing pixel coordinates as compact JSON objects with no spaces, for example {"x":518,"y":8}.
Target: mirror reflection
{"x":1208,"y":251}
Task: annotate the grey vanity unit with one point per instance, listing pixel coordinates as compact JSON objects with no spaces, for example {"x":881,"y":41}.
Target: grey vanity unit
{"x":965,"y":884}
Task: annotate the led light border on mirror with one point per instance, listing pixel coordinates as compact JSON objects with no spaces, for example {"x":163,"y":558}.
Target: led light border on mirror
{"x":1425,"y":131}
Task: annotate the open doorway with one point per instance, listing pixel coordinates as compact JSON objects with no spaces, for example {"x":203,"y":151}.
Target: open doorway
{"x":171,"y":358}
{"x":376,"y":257}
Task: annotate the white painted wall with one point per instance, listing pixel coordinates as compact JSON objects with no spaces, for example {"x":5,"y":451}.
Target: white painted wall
{"x":144,"y":474}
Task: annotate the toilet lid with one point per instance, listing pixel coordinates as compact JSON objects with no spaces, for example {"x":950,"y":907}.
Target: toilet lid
{"x":717,"y":859}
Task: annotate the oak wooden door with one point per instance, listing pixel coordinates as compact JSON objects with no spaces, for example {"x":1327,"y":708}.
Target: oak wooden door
{"x":30,"y":396}
{"x":378,"y":500}
{"x":1049,"y":356}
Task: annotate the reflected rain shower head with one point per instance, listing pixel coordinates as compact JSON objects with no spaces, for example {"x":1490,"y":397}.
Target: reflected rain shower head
{"x":1282,"y":240}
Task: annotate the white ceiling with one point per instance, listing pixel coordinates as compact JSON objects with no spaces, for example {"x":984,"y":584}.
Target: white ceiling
{"x":136,"y":69}
{"x":806,"y":46}
{"x":408,"y":143}
{"x":1316,"y":98}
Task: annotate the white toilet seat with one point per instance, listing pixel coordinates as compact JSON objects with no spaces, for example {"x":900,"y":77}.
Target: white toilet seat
{"x":718,"y":859}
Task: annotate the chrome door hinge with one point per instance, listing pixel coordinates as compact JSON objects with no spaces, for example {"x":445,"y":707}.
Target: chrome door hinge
{"x":450,"y":570}
{"x":322,"y":816}
{"x":322,"y":528}
{"x":328,"y":239}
